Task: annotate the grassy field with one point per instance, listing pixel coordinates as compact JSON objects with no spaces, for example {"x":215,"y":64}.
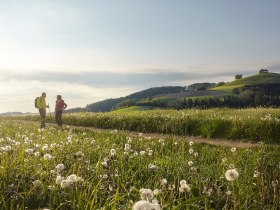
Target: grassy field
{"x":261,"y":125}
{"x":74,"y":169}
{"x":263,"y":78}
{"x":175,"y":97}
{"x":132,"y":109}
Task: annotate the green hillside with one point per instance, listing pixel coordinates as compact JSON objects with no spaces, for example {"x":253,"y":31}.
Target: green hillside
{"x":133,"y":108}
{"x":196,"y":95}
{"x":170,"y":99}
{"x":262,"y":78}
{"x":116,"y":103}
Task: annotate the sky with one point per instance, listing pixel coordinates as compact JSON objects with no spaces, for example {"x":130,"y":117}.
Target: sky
{"x":92,"y":50}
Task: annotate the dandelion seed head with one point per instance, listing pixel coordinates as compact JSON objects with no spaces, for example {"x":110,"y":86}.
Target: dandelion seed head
{"x":163,"y":182}
{"x":228,"y":193}
{"x":152,"y":167}
{"x":191,"y":151}
{"x":65,"y":183}
{"x":182,"y":182}
{"x":112,"y":152}
{"x":45,"y":147}
{"x":256,"y":174}
{"x":142,"y":205}
{"x":59,"y":179}
{"x":37,"y":154}
{"x":48,"y":157}
{"x":127,"y":147}
{"x":146,"y":194}
{"x":233,"y":149}
{"x":156,"y":192}
{"x":184,"y":188}
{"x":60,"y":167}
{"x":36,"y":183}
{"x":231,"y":174}
{"x":142,"y":153}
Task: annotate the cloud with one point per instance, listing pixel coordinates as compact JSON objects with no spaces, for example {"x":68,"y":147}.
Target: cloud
{"x":18,"y":95}
{"x":114,"y":79}
{"x":18,"y":89}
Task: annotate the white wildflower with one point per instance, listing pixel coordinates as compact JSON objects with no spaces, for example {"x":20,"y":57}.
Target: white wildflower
{"x":60,"y":167}
{"x":29,"y":151}
{"x":37,"y":154}
{"x":127,"y":147}
{"x":163,"y":182}
{"x":228,"y":193}
{"x":152,"y":167}
{"x":184,"y":188}
{"x":112,"y":152}
{"x":156,"y":192}
{"x":129,"y":140}
{"x":48,"y":156}
{"x":233,"y":149}
{"x":74,"y":178}
{"x":146,"y":194}
{"x":256,"y":174}
{"x":65,"y":183}
{"x":45,"y":147}
{"x":79,"y":154}
{"x":231,"y":175}
{"x":142,"y":205}
{"x":150,"y":152}
{"x":59,"y":179}
{"x":182,"y":182}
{"x":191,"y":151}
{"x":104,"y":164}
{"x":36,"y":183}
{"x":142,"y":152}
{"x":8,"y":148}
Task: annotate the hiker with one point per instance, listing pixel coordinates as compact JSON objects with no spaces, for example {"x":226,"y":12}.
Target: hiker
{"x":41,"y":105}
{"x":59,"y":107}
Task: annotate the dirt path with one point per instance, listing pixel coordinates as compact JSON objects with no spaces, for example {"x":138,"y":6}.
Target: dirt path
{"x":195,"y":139}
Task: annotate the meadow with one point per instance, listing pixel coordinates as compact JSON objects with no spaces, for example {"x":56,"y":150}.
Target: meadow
{"x":70,"y":168}
{"x":258,"y":125}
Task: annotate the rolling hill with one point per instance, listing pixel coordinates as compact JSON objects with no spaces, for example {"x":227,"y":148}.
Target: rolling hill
{"x":261,"y":78}
{"x":168,"y":96}
{"x":111,"y":104}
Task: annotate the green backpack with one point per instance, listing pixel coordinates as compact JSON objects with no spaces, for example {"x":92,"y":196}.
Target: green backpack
{"x":36,"y":102}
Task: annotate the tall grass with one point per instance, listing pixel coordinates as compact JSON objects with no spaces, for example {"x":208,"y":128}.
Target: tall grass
{"x":28,"y":179}
{"x":261,"y":125}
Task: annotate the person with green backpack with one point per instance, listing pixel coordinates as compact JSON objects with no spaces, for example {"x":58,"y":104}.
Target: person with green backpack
{"x":40,"y":103}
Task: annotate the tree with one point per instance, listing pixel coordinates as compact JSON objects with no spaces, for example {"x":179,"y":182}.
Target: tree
{"x":238,"y":76}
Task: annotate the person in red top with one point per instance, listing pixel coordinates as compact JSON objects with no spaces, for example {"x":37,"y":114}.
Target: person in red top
{"x":60,"y":105}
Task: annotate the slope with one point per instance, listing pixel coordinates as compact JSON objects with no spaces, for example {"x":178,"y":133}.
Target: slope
{"x":261,"y":78}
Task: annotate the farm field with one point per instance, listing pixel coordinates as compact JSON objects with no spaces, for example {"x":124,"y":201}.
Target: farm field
{"x":77,"y":169}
